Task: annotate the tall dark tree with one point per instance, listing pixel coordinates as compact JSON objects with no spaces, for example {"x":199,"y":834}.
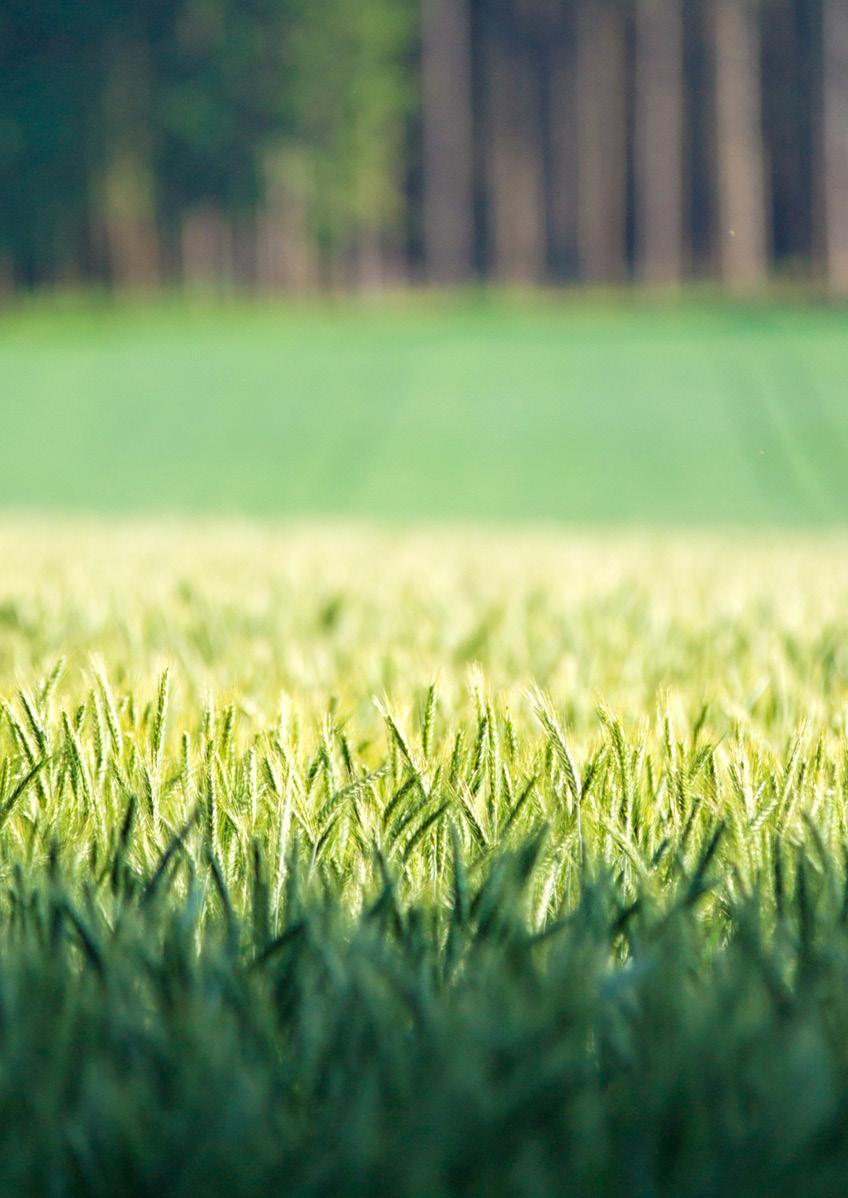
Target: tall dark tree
{"x":447,"y":122}
{"x":601,"y":140}
{"x":561,"y":151}
{"x":742,"y":233}
{"x":835,"y":143}
{"x":51,"y":138}
{"x":126,"y":194}
{"x":789,"y":64}
{"x":515,"y":175}
{"x":658,"y":135}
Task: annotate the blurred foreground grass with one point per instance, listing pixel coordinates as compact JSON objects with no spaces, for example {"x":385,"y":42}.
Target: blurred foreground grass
{"x":581,"y":410}
{"x":337,"y":862}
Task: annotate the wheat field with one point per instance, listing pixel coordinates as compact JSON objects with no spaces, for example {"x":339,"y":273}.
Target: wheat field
{"x":451,"y":862}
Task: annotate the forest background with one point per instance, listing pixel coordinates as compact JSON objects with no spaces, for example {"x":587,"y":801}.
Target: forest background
{"x":290,"y":146}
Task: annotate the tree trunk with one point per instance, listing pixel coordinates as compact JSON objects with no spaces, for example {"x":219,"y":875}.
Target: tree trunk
{"x":516,"y":200}
{"x":207,"y":250}
{"x":742,"y":220}
{"x":658,"y":138}
{"x":285,"y":251}
{"x":128,"y":213}
{"x":244,"y":240}
{"x":562,"y":152}
{"x":447,"y":136}
{"x":835,"y":145}
{"x":787,"y":103}
{"x":602,"y":141}
{"x":368,"y":264}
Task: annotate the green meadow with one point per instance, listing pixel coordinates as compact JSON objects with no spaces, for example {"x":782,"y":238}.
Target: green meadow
{"x":580,"y":410}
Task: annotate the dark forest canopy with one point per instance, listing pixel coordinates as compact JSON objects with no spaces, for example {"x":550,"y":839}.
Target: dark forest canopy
{"x":293,"y":144}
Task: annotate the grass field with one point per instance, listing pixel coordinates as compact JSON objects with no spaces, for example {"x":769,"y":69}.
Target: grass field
{"x":428,"y":864}
{"x":488,"y":859}
{"x":582,"y":410}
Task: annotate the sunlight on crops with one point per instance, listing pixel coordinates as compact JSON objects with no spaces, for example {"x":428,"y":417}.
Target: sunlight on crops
{"x":335,"y":675}
{"x":313,"y":835}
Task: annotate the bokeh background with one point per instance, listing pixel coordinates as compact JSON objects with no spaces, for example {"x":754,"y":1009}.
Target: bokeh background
{"x":577,"y":260}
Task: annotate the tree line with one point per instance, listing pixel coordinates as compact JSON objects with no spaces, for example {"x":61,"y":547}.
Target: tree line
{"x":289,"y":145}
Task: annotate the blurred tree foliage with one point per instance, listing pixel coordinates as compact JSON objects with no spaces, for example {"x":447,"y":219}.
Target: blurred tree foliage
{"x":107,"y":109}
{"x":50,"y":89}
{"x":291,"y":144}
